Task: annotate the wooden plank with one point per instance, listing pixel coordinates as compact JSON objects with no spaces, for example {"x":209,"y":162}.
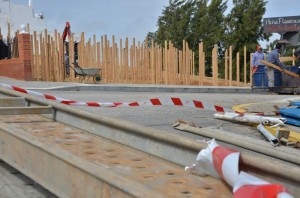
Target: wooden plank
{"x":226,"y":67}
{"x":215,"y":65}
{"x":173,"y":63}
{"x":158,"y":65}
{"x":60,"y":59}
{"x":188,"y":64}
{"x":94,"y":58}
{"x":166,"y":62}
{"x":55,"y":57}
{"x":120,"y":63}
{"x":33,"y":66}
{"x":230,"y":66}
{"x":51,"y":60}
{"x":139,"y":62}
{"x":46,"y":46}
{"x":145,"y":62}
{"x":113,"y":62}
{"x":279,"y":68}
{"x":245,"y":66}
{"x":184,"y":73}
{"x":103,"y":58}
{"x":71,"y":57}
{"x":295,"y":57}
{"x":152,"y":53}
{"x":42,"y":56}
{"x":238,"y":67}
{"x":250,"y":69}
{"x":287,"y":58}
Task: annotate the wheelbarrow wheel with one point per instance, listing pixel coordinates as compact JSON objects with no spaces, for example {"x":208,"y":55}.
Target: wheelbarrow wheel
{"x":97,"y":78}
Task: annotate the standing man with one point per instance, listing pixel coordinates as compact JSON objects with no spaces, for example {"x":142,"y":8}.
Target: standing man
{"x":256,"y":57}
{"x":274,"y":59}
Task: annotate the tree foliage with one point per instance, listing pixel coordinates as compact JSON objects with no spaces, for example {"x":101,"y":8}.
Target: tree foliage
{"x":208,"y":24}
{"x":244,"y":24}
{"x":205,"y":21}
{"x":174,"y":24}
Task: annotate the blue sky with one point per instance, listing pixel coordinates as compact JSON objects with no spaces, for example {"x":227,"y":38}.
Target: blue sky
{"x":124,"y":18}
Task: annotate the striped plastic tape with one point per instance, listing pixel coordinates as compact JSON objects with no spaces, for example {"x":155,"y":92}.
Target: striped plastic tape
{"x":223,"y":163}
{"x":173,"y":101}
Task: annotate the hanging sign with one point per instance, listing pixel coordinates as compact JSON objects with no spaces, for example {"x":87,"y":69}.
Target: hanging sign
{"x":281,"y":24}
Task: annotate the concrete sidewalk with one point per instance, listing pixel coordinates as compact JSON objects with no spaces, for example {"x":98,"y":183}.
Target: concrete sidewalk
{"x":69,"y":86}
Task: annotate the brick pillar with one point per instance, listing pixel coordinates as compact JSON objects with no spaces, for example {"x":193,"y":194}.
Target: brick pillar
{"x":25,"y":54}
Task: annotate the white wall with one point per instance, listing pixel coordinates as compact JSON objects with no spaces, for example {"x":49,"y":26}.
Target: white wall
{"x":18,"y":14}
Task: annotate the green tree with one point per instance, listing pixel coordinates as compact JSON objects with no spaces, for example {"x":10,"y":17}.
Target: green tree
{"x":150,"y":36}
{"x":244,"y":27}
{"x":208,"y":25}
{"x":244,"y":24}
{"x":204,"y":21}
{"x":198,"y":24}
{"x":174,"y":23}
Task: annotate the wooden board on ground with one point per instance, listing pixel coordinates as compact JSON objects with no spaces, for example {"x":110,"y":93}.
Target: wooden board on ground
{"x":279,"y":68}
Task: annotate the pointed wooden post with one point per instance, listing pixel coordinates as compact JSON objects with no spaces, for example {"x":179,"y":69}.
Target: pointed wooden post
{"x":251,"y":72}
{"x":245,"y":66}
{"x":226,"y":67}
{"x":238,"y":68}
{"x":230,"y":66}
{"x":215,"y":65}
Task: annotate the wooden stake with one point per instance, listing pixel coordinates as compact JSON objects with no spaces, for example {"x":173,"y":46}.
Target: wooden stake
{"x":279,"y":68}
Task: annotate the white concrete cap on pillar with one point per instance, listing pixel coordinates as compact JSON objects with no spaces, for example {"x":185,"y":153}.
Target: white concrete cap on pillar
{"x":23,"y":29}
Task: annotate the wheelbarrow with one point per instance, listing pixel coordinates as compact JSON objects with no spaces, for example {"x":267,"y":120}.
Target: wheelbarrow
{"x":83,"y":73}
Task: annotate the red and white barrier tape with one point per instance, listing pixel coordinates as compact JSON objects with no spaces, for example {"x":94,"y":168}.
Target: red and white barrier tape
{"x":60,"y":100}
{"x":222,"y":162}
{"x":150,"y":102}
{"x":178,"y":102}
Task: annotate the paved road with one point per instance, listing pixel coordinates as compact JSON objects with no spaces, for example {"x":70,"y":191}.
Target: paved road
{"x":162,"y":117}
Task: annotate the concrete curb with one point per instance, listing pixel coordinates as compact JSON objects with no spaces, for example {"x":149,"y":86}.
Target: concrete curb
{"x":143,"y":88}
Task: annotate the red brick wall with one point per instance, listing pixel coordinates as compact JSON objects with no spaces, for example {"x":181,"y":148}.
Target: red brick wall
{"x":19,"y":68}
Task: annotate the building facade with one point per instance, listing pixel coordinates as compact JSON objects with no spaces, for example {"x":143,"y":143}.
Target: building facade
{"x":14,"y":15}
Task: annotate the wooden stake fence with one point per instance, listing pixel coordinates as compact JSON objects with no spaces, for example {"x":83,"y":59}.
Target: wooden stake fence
{"x":134,"y":63}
